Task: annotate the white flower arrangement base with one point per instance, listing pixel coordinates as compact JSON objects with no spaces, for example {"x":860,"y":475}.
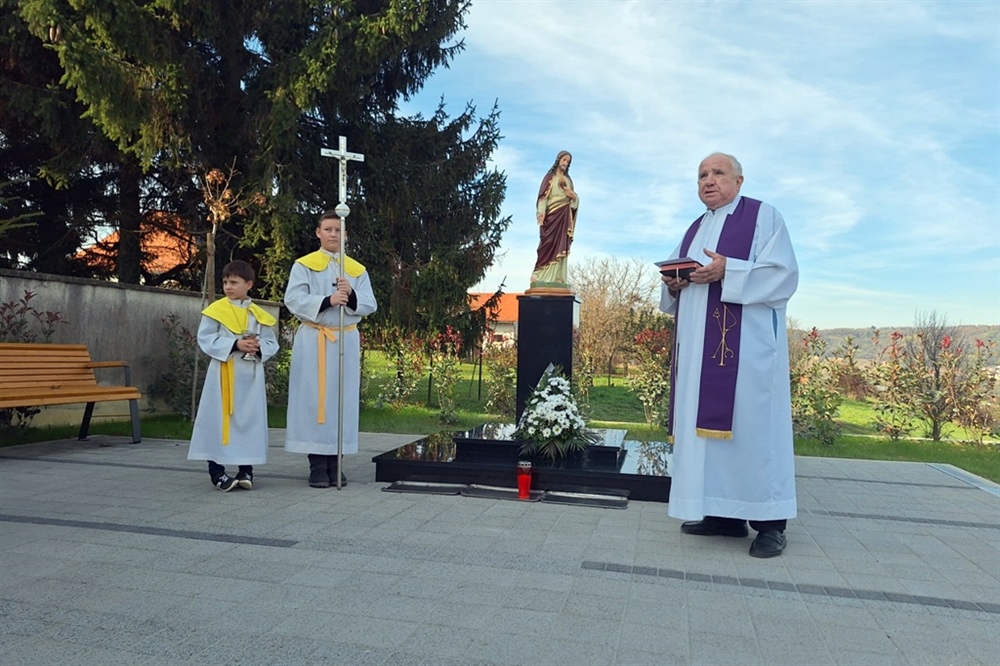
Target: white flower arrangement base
{"x":551,"y":425}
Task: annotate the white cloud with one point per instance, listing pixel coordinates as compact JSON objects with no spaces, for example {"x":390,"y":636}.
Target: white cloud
{"x":873,"y":127}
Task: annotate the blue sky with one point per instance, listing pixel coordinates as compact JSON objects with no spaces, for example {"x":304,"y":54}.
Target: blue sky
{"x":874,"y":127}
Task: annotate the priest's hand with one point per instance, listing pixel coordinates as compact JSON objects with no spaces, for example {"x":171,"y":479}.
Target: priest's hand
{"x":713,"y":272}
{"x":674,"y":284}
{"x":339,"y":298}
{"x":344,"y":285}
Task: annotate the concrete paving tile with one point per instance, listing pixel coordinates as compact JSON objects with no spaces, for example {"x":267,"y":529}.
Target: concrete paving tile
{"x":827,"y":614}
{"x":545,"y":581}
{"x":570,"y":653}
{"x":316,"y":581}
{"x":459,"y":615}
{"x":611,"y":585}
{"x":706,"y":648}
{"x":538,"y":600}
{"x":26,"y":566}
{"x":943,"y":654}
{"x":436,"y":642}
{"x":869,"y":640}
{"x":630,"y":657}
{"x":655,"y":612}
{"x":735,"y":625}
{"x":822,"y":577}
{"x":423,"y":588}
{"x":521,"y":621}
{"x":377,"y":632}
{"x":34,"y":651}
{"x":433,"y":660}
{"x":308,"y":623}
{"x":663,"y":638}
{"x":595,"y":605}
{"x":845,"y":657}
{"x":270,"y":649}
{"x":591,"y":630}
{"x":802,"y":631}
{"x":402,"y":564}
{"x":505,"y":649}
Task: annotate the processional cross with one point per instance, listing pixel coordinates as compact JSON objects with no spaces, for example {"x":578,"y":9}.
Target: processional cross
{"x":342,"y":210}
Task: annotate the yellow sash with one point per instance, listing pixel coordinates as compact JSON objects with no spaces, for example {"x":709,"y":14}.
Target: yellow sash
{"x":227,"y":376}
{"x":319,"y":260}
{"x":325,"y":333}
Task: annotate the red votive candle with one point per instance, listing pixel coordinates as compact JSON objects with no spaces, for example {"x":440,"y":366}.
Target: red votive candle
{"x":523,"y":479}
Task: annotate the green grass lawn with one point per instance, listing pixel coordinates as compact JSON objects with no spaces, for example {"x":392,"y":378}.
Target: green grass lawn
{"x":610,"y":407}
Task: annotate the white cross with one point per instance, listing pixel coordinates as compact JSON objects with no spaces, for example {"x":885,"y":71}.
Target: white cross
{"x":343,"y":157}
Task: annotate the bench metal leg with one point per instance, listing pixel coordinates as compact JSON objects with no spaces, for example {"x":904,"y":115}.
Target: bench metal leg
{"x":85,"y":425}
{"x":133,"y":407}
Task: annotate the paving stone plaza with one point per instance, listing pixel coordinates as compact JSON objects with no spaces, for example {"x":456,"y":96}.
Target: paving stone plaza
{"x":120,"y":553}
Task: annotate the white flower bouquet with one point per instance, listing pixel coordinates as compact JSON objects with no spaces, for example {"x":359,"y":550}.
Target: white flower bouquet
{"x":551,"y":424}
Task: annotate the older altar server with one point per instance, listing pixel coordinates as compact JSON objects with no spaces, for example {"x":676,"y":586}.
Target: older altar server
{"x":315,"y":294}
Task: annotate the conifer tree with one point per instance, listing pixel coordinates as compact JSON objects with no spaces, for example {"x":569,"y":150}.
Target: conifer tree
{"x":182,"y":88}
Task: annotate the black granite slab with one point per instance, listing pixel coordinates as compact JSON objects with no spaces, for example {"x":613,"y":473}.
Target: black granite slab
{"x":488,"y":455}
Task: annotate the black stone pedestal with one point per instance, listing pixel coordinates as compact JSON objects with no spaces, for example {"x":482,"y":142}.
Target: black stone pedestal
{"x":488,"y":456}
{"x":545,"y":328}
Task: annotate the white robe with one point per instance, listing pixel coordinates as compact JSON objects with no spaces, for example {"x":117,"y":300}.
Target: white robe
{"x":306,"y":291}
{"x":248,"y":422}
{"x":752,"y":475}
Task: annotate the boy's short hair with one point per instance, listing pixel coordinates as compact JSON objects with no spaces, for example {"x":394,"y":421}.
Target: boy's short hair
{"x":238,"y":268}
{"x":327,"y":215}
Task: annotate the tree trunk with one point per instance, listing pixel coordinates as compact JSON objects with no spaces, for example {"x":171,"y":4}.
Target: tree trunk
{"x":129,"y":219}
{"x":210,"y":264}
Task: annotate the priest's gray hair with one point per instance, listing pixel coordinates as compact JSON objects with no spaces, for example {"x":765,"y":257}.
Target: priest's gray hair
{"x":737,"y":167}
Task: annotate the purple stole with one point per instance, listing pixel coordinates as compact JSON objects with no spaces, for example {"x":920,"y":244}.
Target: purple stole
{"x":721,"y":351}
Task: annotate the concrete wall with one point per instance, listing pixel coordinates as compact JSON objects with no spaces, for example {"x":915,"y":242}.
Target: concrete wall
{"x":115,"y":321}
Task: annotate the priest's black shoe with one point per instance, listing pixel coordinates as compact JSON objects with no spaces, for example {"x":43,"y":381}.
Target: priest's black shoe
{"x":709,"y":527}
{"x":768,"y":544}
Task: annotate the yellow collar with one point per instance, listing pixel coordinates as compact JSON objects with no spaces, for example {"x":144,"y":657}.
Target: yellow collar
{"x":235,"y":317}
{"x":319,"y":260}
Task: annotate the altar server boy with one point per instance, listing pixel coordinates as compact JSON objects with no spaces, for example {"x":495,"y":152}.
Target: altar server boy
{"x":231,"y":425}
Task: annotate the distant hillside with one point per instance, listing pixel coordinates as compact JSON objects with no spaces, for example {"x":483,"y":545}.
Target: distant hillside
{"x":862,"y":337}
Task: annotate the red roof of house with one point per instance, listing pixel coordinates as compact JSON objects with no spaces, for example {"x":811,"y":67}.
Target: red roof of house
{"x":161,"y":238}
{"x":507,"y":310}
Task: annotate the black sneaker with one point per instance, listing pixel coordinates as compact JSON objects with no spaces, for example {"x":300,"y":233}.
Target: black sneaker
{"x":225,"y":483}
{"x":245,"y":479}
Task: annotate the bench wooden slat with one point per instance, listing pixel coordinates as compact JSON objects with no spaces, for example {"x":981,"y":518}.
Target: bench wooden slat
{"x":55,"y":353}
{"x":55,"y":383}
{"x":42,"y":374}
{"x":32,"y":369}
{"x":41,"y":347}
{"x":57,"y":398}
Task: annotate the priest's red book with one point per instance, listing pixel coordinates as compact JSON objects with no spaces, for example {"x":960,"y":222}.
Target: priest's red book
{"x":678,"y":268}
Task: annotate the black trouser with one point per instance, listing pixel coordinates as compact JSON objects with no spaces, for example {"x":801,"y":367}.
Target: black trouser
{"x":215,"y":470}
{"x":759,"y":525}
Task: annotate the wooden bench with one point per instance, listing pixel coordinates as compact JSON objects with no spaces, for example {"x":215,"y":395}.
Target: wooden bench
{"x":40,"y":374}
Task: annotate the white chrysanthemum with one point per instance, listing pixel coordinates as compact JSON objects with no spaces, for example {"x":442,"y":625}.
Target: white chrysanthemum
{"x":551,"y":414}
